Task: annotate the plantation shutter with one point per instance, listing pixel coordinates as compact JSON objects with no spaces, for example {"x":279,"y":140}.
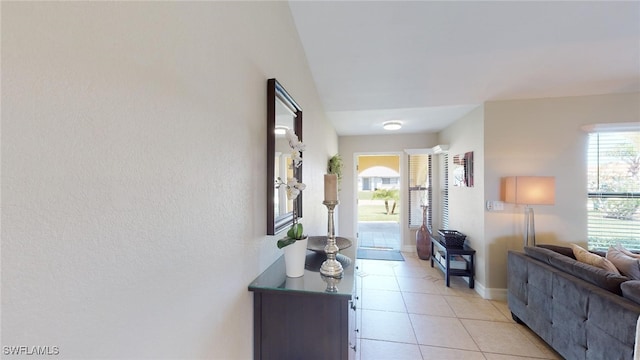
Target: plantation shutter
{"x":430,"y":191}
{"x":613,"y":176}
{"x":444,"y":221}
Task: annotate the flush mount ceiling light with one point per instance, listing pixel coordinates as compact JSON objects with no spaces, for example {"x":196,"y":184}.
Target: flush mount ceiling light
{"x":281,"y":129}
{"x":392,"y":125}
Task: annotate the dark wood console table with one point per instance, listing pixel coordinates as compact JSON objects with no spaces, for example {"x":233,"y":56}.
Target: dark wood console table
{"x":296,"y":318}
{"x":467,"y":253}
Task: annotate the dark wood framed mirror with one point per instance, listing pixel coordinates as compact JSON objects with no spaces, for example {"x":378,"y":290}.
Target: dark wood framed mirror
{"x":282,"y":113}
{"x":463,"y":169}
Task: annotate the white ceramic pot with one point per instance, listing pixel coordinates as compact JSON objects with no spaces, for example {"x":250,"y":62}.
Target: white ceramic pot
{"x":294,"y":258}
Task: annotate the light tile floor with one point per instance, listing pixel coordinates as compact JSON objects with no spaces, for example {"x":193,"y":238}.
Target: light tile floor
{"x":407,"y":313}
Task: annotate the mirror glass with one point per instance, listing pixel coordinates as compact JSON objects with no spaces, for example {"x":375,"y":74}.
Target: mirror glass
{"x":463,"y":170}
{"x":285,"y":120}
{"x":283,"y":113}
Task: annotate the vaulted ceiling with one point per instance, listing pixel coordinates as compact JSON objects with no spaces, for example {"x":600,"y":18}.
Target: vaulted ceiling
{"x":428,"y":63}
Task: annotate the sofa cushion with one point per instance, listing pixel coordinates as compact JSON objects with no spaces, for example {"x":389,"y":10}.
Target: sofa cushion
{"x":596,"y":276}
{"x":631,"y":290}
{"x":566,"y":251}
{"x":543,"y":254}
{"x":586,"y":257}
{"x":627,"y":265}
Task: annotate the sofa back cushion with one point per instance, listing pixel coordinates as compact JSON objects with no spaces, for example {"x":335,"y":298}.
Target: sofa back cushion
{"x":566,"y":251}
{"x":596,"y":276}
{"x":631,"y":290}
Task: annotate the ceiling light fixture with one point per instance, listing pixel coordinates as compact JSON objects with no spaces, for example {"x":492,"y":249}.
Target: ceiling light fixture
{"x":392,"y":125}
{"x":281,"y":129}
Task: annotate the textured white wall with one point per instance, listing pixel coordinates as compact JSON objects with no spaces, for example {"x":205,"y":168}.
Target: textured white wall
{"x":133,"y":172}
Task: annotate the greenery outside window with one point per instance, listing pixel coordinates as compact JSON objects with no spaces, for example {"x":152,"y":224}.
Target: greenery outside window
{"x":613,"y":175}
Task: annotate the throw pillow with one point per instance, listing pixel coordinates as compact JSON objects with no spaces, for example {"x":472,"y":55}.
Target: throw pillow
{"x":628,"y":265}
{"x":627,"y":252}
{"x":586,"y":257}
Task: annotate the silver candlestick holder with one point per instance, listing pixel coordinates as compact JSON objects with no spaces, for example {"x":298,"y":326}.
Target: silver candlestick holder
{"x":331,"y":267}
{"x":332,"y":283}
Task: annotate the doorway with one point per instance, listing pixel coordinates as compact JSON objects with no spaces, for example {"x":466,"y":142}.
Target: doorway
{"x":378,"y":190}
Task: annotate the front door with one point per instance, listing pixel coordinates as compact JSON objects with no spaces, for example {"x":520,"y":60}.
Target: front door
{"x":378,"y":210}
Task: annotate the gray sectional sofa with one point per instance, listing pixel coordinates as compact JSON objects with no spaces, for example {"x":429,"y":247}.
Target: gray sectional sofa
{"x":583,"y":312}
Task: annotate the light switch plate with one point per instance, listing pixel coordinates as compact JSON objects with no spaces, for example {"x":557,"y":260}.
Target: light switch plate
{"x":495,"y":205}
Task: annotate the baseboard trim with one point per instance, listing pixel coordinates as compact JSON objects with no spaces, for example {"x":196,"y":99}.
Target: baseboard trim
{"x":409,"y":249}
{"x":491,"y":293}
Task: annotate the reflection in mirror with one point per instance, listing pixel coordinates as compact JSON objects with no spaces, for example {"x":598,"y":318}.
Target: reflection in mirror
{"x":285,"y":120}
{"x":283,"y":113}
{"x":463,"y":170}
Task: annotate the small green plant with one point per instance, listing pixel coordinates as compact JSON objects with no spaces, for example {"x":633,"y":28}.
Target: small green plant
{"x":334,"y":166}
{"x":294,"y":234}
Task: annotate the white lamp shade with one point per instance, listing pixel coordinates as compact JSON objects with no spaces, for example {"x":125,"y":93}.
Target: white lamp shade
{"x":530,"y":190}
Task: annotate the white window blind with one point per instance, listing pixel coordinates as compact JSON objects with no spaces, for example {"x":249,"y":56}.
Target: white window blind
{"x":444,"y":221}
{"x":420,"y":191}
{"x":613,"y":175}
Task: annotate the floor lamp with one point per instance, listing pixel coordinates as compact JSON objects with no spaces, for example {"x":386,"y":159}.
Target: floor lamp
{"x":527,"y":191}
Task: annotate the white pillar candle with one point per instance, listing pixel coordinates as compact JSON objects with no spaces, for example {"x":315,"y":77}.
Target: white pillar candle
{"x":330,"y":187}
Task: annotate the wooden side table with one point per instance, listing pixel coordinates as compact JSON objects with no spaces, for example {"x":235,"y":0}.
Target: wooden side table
{"x":468,"y":254}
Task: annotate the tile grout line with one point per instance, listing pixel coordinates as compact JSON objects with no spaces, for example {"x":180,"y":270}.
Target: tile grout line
{"x":413,"y":328}
{"x":453,"y":311}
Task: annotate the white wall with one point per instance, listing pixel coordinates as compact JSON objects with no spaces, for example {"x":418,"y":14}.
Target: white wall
{"x":349,"y":147}
{"x":133,"y":172}
{"x":542,"y":137}
{"x":466,"y":204}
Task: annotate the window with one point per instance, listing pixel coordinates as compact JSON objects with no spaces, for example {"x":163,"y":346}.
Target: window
{"x":613,"y":175}
{"x":419,"y":188}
